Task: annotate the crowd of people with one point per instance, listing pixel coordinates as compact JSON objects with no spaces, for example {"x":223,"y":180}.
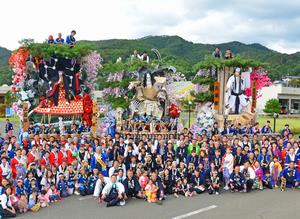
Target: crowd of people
{"x":41,"y":169}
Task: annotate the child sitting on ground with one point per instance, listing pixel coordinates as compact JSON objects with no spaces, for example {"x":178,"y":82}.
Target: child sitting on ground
{"x":43,"y":199}
{"x":267,"y":180}
{"x":178,"y":189}
{"x":214,"y":184}
{"x":23,"y":203}
{"x":187,"y":189}
{"x":53,"y":193}
{"x":33,"y":204}
{"x":150,"y":192}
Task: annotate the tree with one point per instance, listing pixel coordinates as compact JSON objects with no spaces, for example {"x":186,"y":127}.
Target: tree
{"x":272,"y":106}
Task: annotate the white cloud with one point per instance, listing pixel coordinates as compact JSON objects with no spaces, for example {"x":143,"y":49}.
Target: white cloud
{"x":271,"y":23}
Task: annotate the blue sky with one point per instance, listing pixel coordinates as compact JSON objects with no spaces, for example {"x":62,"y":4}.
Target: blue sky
{"x":273,"y":23}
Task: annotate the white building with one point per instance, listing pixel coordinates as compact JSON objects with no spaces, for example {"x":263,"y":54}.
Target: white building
{"x":288,"y":96}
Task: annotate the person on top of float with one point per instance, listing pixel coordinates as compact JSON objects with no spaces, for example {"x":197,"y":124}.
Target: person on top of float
{"x":70,"y":40}
{"x":217,"y":53}
{"x":59,"y":39}
{"x":50,"y":39}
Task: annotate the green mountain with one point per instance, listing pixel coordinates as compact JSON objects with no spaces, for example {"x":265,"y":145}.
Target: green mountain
{"x":186,"y":54}
{"x":5,"y":72}
{"x":182,"y":54}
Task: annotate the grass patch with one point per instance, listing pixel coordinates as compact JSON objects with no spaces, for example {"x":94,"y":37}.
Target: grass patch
{"x":13,"y":119}
{"x":294,"y":123}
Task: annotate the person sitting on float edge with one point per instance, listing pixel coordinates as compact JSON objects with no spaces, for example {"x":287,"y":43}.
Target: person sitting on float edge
{"x":70,"y":40}
{"x":50,"y":39}
{"x":228,"y":54}
{"x":144,"y":57}
{"x":217,"y":53}
{"x":59,"y":39}
{"x":135,"y":55}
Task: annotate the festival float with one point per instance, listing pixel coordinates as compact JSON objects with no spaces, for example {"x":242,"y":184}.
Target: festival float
{"x":227,"y":91}
{"x":54,"y":84}
{"x":141,"y":101}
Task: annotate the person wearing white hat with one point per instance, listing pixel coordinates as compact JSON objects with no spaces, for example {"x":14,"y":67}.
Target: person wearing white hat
{"x":235,"y":100}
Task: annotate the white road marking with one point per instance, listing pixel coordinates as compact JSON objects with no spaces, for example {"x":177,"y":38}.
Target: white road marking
{"x":85,"y":198}
{"x":195,"y":212}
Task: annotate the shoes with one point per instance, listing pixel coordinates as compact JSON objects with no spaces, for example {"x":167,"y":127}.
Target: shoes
{"x":122,"y":203}
{"x":217,"y":193}
{"x":226,"y":188}
{"x":76,"y":193}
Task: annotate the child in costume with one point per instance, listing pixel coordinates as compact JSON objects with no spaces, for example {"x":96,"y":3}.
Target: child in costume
{"x":82,"y":182}
{"x":151,"y":191}
{"x":187,"y":189}
{"x":275,"y":168}
{"x":143,"y":180}
{"x":178,"y":189}
{"x":23,"y":203}
{"x":71,"y":179}
{"x":267,"y":180}
{"x":62,"y":186}
{"x":43,"y":199}
{"x":19,"y":188}
{"x":53,"y":193}
{"x":33,"y":203}
{"x":214,"y":183}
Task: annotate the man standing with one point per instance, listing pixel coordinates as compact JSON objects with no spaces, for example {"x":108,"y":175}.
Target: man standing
{"x":9,"y":128}
{"x":15,"y":162}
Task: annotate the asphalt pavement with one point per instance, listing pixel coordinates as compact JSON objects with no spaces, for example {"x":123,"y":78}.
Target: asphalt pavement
{"x":267,"y":204}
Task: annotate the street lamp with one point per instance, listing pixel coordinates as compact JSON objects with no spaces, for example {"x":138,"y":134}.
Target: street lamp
{"x":190,"y":103}
{"x":275,"y":117}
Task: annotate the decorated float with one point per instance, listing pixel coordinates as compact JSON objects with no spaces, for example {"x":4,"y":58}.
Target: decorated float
{"x":227,"y":91}
{"x":141,"y":101}
{"x":54,"y":84}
